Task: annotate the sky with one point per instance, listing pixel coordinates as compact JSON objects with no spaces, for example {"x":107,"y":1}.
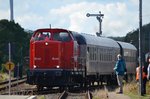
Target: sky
{"x":120,"y":16}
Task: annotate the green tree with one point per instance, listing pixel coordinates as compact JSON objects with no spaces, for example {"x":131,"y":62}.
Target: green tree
{"x":133,"y":38}
{"x":12,"y":32}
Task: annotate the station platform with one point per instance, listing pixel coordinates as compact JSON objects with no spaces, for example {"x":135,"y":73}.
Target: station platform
{"x":17,"y":97}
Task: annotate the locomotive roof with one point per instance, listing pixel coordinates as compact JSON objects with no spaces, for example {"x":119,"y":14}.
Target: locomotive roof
{"x":94,"y":40}
{"x":127,"y":45}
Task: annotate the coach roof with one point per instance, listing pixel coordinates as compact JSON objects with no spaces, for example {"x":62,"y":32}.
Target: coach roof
{"x":94,"y":40}
{"x":127,"y":45}
{"x":100,"y":41}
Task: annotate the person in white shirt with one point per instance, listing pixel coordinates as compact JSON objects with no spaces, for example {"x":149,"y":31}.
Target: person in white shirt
{"x":148,"y":69}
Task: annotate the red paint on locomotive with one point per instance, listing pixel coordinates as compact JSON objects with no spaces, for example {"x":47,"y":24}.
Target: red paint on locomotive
{"x":51,"y":53}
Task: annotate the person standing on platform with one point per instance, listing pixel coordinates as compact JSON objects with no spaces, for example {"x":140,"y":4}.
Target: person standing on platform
{"x":144,"y":77}
{"x":120,"y":69}
{"x":148,"y":69}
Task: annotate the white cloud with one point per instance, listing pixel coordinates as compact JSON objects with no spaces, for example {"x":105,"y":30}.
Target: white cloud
{"x":135,"y":2}
{"x":4,"y":14}
{"x":120,"y":17}
{"x":146,"y":12}
{"x":115,"y":17}
{"x":77,"y":20}
{"x":30,"y":20}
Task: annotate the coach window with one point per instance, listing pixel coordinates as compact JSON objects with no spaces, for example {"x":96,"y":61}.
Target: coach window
{"x":91,"y":53}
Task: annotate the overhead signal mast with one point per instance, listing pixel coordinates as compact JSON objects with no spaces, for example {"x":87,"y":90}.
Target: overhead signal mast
{"x":99,"y":18}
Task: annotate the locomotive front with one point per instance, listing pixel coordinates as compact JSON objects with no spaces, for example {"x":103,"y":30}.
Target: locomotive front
{"x":53,"y":54}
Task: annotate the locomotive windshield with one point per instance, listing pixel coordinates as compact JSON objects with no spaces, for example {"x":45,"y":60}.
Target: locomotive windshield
{"x":57,"y":36}
{"x":42,"y":36}
{"x":62,"y":36}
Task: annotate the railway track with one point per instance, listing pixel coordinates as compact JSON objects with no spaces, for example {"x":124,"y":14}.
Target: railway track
{"x":14,"y":82}
{"x":48,"y":94}
{"x":68,"y":95}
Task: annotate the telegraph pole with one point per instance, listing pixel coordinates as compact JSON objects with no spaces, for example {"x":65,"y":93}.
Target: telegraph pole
{"x":140,"y":48}
{"x":99,"y":18}
{"x":9,"y":46}
{"x":11,"y":11}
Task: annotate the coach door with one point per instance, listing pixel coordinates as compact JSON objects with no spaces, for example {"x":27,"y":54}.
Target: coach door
{"x":67,"y":49}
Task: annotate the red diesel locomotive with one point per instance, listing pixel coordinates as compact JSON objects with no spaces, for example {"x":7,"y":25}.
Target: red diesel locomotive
{"x":59,"y":57}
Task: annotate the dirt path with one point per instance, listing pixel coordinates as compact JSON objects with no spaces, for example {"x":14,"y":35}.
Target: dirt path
{"x":113,"y":95}
{"x":109,"y":92}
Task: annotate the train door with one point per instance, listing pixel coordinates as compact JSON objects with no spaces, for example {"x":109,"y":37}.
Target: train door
{"x":88,"y":59}
{"x":75,"y":55}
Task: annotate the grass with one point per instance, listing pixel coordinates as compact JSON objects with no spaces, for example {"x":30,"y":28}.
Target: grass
{"x":41,"y":97}
{"x":3,"y":77}
{"x":132,"y":90}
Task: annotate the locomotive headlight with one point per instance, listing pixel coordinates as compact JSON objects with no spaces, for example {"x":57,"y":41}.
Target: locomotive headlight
{"x":57,"y":66}
{"x":46,"y":43}
{"x":34,"y":66}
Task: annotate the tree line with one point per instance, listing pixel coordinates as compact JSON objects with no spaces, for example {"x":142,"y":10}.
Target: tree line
{"x":13,"y":33}
{"x":133,"y":38}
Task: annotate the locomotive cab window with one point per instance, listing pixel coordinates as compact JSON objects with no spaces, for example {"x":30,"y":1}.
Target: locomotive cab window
{"x":56,"y":37}
{"x":42,"y":36}
{"x":62,"y":36}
